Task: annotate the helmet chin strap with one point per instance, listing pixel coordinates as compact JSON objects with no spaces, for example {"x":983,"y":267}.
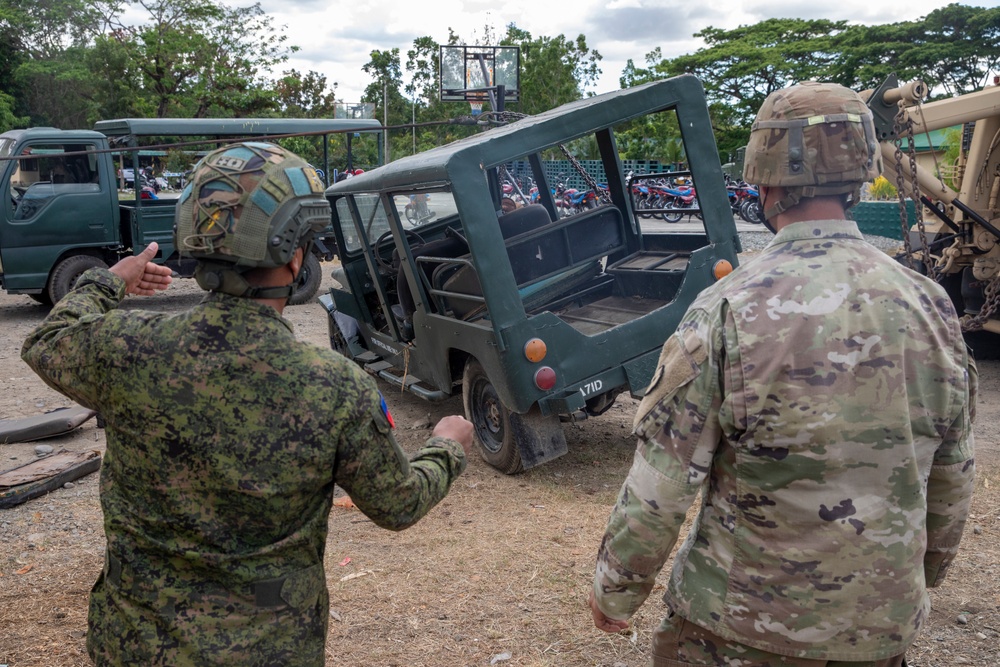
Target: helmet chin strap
{"x":223,"y":277}
{"x":767,"y":213}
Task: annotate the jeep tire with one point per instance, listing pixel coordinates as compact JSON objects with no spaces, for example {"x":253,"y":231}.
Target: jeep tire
{"x":68,"y":271}
{"x":307,"y":284}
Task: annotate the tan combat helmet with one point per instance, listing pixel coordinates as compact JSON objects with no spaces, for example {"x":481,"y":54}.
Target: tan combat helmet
{"x":249,"y":205}
{"x":812,"y":139}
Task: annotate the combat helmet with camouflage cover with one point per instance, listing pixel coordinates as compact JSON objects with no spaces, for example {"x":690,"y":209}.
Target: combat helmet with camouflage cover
{"x":812,"y":139}
{"x":249,"y":205}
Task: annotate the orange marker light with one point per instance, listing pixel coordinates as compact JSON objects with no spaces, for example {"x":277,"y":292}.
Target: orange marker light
{"x":722,"y":269}
{"x":535,"y":349}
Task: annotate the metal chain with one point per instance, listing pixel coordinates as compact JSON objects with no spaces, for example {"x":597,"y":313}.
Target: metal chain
{"x":918,"y":209}
{"x":904,"y":125}
{"x":991,"y":292}
{"x":900,"y":121}
{"x":600,"y":192}
{"x":990,"y":306}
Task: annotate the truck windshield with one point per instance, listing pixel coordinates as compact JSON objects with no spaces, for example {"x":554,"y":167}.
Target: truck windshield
{"x":48,"y":173}
{"x":417,"y":209}
{"x":373,"y":219}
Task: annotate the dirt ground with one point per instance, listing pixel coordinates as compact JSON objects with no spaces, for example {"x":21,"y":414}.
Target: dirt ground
{"x":496,"y":574}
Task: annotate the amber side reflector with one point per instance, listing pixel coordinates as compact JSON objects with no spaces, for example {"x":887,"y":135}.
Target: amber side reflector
{"x":722,"y":269}
{"x":534,"y":350}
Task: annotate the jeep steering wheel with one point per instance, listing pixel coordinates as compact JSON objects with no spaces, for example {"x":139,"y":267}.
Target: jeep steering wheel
{"x":385,"y":238}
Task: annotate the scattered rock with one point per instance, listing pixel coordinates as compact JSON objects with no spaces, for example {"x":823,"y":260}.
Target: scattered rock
{"x":977,"y":529}
{"x":43,"y":450}
{"x":69,"y":485}
{"x":500,"y":657}
{"x":426,"y":422}
{"x":962,"y":619}
{"x":980,"y":635}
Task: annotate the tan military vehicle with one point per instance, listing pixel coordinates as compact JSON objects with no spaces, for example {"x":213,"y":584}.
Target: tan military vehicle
{"x":956,"y":235}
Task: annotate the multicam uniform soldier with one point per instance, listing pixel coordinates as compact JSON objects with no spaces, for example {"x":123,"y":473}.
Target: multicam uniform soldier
{"x":819,"y":397}
{"x":225,"y":434}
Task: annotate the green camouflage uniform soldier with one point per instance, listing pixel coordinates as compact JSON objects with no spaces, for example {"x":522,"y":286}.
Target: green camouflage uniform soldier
{"x":225,"y":434}
{"x":819,"y":398}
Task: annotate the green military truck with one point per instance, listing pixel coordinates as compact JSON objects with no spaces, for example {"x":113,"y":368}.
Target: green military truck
{"x":62,"y":215}
{"x":531,"y":316}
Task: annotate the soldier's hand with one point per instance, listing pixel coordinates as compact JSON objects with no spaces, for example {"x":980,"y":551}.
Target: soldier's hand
{"x":602,"y":622}
{"x":141,"y":275}
{"x":457,"y":428}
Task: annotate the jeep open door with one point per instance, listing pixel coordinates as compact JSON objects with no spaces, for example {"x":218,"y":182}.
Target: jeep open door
{"x":541,"y":311}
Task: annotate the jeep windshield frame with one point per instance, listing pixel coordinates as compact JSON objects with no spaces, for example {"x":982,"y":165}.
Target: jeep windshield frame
{"x":497,"y":295}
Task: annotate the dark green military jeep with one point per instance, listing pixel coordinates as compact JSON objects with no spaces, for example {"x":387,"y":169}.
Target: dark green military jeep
{"x":532,"y":314}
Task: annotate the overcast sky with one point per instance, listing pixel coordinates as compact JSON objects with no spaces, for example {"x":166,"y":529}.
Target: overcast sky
{"x":337,"y":36}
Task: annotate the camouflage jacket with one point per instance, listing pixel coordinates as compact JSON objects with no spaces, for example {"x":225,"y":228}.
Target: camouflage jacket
{"x":225,"y":437}
{"x":819,"y":397}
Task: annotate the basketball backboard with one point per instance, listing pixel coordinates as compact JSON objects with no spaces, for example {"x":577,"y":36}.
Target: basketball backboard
{"x":354,"y":110}
{"x":467,"y":72}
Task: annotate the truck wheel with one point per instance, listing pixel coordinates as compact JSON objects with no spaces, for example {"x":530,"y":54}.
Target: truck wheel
{"x":310,"y":276}
{"x":66,"y":273}
{"x":491,"y":419}
{"x":42,"y":298}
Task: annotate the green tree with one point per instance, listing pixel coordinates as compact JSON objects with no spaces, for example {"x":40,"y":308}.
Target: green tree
{"x":423,"y":69}
{"x":634,"y":76}
{"x":953,"y":49}
{"x":58,"y":90}
{"x":42,"y":46}
{"x":8,"y":119}
{"x":200,"y":58}
{"x":741,"y":67}
{"x":116,"y":88}
{"x":554,"y":70}
{"x":45,"y":28}
{"x":385,"y":70}
{"x":385,"y":91}
{"x":305,"y":95}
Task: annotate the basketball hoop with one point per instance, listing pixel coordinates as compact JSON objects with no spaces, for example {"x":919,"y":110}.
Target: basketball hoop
{"x":476,"y":106}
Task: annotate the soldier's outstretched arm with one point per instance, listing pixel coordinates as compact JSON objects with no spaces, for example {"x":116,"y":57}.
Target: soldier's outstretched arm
{"x":392,"y":489}
{"x":65,"y":349}
{"x":62,"y":349}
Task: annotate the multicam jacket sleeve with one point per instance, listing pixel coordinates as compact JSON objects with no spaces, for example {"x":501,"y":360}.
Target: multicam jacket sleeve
{"x":678,"y":429}
{"x":831,"y":417}
{"x":950,"y":488}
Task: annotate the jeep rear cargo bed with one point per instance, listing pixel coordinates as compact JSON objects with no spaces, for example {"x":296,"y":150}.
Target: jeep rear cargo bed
{"x":608,"y":313}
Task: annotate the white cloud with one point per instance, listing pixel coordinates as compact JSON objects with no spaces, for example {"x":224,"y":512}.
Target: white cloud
{"x":336,"y":38}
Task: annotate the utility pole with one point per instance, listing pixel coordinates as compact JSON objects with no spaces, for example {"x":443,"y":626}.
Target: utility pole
{"x":385,"y":118}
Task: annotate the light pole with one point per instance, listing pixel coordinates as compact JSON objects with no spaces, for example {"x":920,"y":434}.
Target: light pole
{"x":385,"y":117}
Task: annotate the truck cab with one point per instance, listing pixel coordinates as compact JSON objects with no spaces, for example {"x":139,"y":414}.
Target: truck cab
{"x":59,"y":194}
{"x":534,"y":313}
{"x":62,"y":214}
